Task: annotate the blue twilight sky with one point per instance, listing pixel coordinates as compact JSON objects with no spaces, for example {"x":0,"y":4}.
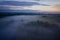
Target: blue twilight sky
{"x":40,"y":5}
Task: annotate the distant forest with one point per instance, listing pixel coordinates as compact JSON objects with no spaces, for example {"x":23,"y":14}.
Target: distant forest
{"x":4,"y":14}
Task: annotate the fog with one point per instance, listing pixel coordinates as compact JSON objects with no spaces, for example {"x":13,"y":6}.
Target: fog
{"x":28,"y":27}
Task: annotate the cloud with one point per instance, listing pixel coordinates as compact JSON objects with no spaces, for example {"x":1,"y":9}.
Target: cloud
{"x":36,"y":0}
{"x":57,"y":6}
{"x":2,"y":8}
{"x":6,"y":8}
{"x":10,"y":8}
{"x":45,"y":5}
{"x":16,"y":3}
{"x":48,"y":0}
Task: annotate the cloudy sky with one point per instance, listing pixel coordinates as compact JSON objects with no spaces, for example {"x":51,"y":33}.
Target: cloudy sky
{"x":39,"y":5}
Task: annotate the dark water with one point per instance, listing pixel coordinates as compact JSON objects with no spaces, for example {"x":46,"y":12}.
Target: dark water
{"x":29,"y":27}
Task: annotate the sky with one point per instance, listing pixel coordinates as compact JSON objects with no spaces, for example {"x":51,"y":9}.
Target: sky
{"x":40,"y":5}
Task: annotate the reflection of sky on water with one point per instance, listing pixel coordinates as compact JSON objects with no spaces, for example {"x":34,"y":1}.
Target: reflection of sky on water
{"x":14,"y":27}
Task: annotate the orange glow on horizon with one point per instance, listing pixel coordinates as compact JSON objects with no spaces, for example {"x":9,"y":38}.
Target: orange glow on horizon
{"x":51,"y":10}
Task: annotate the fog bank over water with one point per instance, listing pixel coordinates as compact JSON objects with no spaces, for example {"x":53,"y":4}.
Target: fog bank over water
{"x":28,"y":27}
